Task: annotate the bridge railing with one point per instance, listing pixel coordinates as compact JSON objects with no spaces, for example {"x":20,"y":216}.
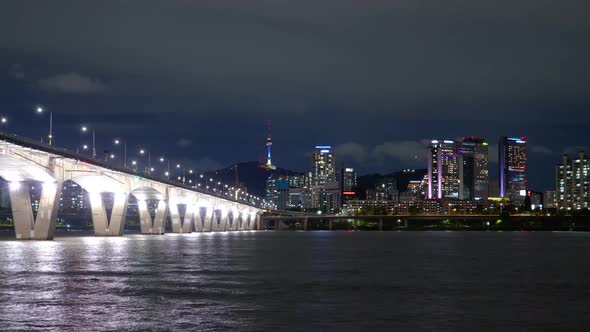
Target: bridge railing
{"x":63,"y":152}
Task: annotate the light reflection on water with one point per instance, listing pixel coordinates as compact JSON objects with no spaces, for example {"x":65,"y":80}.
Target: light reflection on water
{"x":297,"y":280}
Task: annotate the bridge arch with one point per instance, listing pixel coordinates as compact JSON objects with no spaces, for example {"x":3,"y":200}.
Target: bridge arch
{"x":17,"y":169}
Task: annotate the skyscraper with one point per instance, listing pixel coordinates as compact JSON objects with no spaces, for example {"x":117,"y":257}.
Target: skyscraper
{"x":512,"y":163}
{"x":348,"y":183}
{"x":325,"y":188}
{"x":473,"y":169}
{"x":573,"y":183}
{"x":323,"y":165}
{"x":443,"y":170}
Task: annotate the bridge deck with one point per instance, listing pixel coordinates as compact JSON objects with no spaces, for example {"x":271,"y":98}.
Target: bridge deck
{"x":65,"y":153}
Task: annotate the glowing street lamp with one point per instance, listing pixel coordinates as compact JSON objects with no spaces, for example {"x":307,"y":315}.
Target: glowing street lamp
{"x":50,"y":136}
{"x":85,"y":129}
{"x":143,"y":152}
{"x":3,"y":120}
{"x":118,"y":142}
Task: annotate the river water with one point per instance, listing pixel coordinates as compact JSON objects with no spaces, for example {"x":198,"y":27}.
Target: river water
{"x":300,"y":281}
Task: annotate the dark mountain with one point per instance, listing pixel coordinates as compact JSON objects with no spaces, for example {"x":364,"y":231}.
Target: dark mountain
{"x":251,"y":174}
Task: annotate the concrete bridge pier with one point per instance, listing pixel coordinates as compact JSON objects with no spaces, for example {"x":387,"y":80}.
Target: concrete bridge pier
{"x":103,"y":225}
{"x":208,"y":222}
{"x":149,"y":226}
{"x":380,"y":224}
{"x":180,"y":224}
{"x":198,"y":219}
{"x":231,"y":223}
{"x":305,"y":224}
{"x":26,"y":226}
{"x":225,"y":226}
{"x":216,"y":221}
{"x":189,"y":216}
{"x":331,"y":224}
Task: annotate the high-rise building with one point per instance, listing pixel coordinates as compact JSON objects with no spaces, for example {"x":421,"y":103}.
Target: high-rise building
{"x":323,"y":165}
{"x":443,"y":170}
{"x":512,"y":163}
{"x":573,"y":183}
{"x":473,"y":169}
{"x":348,"y":181}
{"x":348,"y":184}
{"x":324,"y":187}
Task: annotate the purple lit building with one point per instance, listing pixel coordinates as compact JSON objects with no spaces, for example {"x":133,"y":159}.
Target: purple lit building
{"x":512,"y":162}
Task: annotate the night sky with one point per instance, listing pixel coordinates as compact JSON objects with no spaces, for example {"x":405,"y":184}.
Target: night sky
{"x":198,"y":80}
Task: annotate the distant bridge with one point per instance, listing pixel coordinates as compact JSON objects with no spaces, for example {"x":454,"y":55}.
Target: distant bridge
{"x":284,"y":216}
{"x":23,"y":161}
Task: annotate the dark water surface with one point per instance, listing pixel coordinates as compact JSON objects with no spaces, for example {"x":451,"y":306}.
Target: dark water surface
{"x":468,"y":281}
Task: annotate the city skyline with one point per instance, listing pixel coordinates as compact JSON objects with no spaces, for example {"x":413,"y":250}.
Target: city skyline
{"x":373,"y":86}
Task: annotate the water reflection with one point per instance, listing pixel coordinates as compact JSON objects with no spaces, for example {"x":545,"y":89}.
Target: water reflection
{"x":296,"y":280}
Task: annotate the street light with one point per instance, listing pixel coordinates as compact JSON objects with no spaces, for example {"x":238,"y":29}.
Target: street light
{"x":118,"y":142}
{"x":85,"y":129}
{"x":50,"y":136}
{"x":162,"y":159}
{"x":143,"y":152}
{"x":3,"y":120}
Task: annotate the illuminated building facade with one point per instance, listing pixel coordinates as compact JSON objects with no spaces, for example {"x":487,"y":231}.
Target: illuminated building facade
{"x":443,"y":170}
{"x":512,"y":162}
{"x":473,"y":169}
{"x":323,"y":165}
{"x":573,"y":183}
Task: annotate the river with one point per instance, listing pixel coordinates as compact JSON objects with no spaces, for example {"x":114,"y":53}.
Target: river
{"x":299,"y":281}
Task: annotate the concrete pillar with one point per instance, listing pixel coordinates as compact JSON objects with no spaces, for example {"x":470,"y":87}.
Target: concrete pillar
{"x":231,"y":222}
{"x":208,"y":220}
{"x":187,"y":222}
{"x":258,"y":219}
{"x":331,"y":224}
{"x":305,"y":224}
{"x":224,"y":223}
{"x":180,"y":224}
{"x":380,"y":224}
{"x":160,"y":218}
{"x":149,"y":226}
{"x":198,"y":219}
{"x":215,"y":221}
{"x":100,"y":220}
{"x":25,"y":225}
{"x":235,"y":220}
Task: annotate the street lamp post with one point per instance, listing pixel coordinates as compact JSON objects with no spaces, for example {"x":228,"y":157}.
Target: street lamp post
{"x":85,"y":129}
{"x":142,"y":152}
{"x":117,"y":142}
{"x":50,"y":136}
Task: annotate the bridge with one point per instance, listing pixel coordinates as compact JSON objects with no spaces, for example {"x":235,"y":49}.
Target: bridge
{"x":24,"y":161}
{"x":273,"y":220}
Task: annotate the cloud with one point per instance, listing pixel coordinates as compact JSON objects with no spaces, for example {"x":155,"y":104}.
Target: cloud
{"x":16,"y":72}
{"x":72,"y":83}
{"x":354,"y":151}
{"x":184,"y":142}
{"x":407,"y":151}
{"x":541,"y":150}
